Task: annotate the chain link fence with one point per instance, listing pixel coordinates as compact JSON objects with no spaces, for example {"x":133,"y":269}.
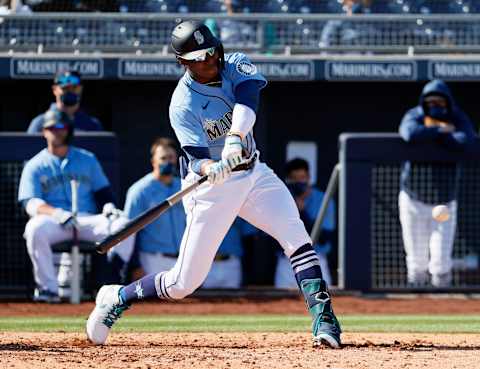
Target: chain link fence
{"x":388,"y":252}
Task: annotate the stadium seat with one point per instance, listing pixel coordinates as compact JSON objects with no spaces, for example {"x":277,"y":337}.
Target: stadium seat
{"x":334,"y":6}
{"x":443,"y":7}
{"x":400,"y":7}
{"x":277,"y":6}
{"x":149,"y":6}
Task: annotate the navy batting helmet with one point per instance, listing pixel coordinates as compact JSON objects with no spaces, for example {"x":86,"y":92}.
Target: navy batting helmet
{"x":193,"y":40}
{"x":59,"y":120}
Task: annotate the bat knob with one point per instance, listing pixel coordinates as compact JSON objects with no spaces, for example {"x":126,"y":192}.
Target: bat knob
{"x":99,"y":249}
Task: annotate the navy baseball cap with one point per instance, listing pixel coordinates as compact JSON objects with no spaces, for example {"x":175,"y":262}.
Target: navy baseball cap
{"x":54,"y":119}
{"x":67,"y":78}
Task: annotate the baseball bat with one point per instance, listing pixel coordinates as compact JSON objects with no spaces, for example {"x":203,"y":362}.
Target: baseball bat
{"x":145,"y":218}
{"x":75,"y":287}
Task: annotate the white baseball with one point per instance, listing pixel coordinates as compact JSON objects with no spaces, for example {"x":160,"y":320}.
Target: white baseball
{"x":440,"y":213}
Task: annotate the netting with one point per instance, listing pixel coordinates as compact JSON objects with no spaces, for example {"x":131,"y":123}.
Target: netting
{"x":389,"y":269}
{"x":15,"y":266}
{"x":135,"y":33}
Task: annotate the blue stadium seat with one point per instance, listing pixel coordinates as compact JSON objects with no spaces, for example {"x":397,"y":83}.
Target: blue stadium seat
{"x":376,"y":7}
{"x":218,"y":6}
{"x":443,"y":6}
{"x":334,"y":6}
{"x":309,"y":6}
{"x":149,"y":6}
{"x":475,"y":6}
{"x":400,"y":7}
{"x":276,"y":6}
{"x":212,"y":6}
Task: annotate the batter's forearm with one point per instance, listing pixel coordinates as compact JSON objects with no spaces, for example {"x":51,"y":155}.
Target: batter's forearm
{"x":243,"y":119}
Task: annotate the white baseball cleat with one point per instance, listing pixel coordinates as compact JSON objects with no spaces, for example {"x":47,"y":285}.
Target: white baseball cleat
{"x":108,"y":308}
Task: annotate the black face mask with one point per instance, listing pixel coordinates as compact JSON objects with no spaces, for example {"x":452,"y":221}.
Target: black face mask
{"x":166,"y":169}
{"x":297,"y":188}
{"x":438,"y":112}
{"x":70,"y":98}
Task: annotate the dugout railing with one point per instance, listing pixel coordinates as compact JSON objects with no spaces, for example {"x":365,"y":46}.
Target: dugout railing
{"x":16,"y":281}
{"x":371,"y":253}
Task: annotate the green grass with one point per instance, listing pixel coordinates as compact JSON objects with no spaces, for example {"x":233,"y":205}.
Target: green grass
{"x":252,"y":323}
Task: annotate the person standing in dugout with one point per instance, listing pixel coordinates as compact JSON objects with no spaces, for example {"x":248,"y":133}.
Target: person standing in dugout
{"x":212,"y":111}
{"x":429,"y":244}
{"x":68,"y":90}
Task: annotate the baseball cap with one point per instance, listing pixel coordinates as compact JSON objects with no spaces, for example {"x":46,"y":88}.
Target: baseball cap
{"x":56,"y":119}
{"x":67,"y":78}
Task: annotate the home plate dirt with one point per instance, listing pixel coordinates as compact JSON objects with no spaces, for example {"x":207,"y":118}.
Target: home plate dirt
{"x":238,"y":350}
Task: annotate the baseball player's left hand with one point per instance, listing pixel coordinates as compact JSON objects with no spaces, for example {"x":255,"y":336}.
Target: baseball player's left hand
{"x":110,"y":211}
{"x":232,"y":151}
{"x":218,"y":172}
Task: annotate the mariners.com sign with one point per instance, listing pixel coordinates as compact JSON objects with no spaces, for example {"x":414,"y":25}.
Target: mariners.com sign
{"x":46,"y":68}
{"x":161,"y":69}
{"x":275,"y":69}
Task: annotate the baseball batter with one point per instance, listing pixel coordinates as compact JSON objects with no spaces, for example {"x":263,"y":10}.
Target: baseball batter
{"x":212,"y":111}
{"x":46,"y":194}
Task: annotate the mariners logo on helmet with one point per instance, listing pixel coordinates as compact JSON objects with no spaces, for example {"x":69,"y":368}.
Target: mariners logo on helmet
{"x":246,"y":68}
{"x":199,"y":37}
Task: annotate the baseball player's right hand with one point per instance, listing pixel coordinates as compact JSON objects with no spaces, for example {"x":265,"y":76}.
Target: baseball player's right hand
{"x":232,"y":151}
{"x":63,"y":218}
{"x":218,"y":172}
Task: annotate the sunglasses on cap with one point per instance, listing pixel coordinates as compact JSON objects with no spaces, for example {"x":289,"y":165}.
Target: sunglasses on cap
{"x":68,"y":79}
{"x":198,"y":55}
{"x":57,"y":127}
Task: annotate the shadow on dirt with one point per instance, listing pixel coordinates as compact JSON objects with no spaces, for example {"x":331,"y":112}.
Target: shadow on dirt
{"x":19,"y":347}
{"x":410,"y":346}
{"x":26,"y":347}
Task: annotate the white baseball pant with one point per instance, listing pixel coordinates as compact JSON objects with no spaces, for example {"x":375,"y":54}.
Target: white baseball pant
{"x":42,"y":231}
{"x":428,"y":243}
{"x":256,"y":195}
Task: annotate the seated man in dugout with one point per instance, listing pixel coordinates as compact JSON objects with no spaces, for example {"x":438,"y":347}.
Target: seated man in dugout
{"x":45,"y":191}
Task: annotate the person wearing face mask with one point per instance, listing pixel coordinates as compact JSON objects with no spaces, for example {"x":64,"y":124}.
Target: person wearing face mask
{"x":308,"y":200}
{"x":67,"y":89}
{"x":157,"y":243}
{"x":429,"y":244}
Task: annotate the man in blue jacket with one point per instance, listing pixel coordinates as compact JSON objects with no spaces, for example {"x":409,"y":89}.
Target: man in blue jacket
{"x":428,"y":243}
{"x":67,"y":89}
